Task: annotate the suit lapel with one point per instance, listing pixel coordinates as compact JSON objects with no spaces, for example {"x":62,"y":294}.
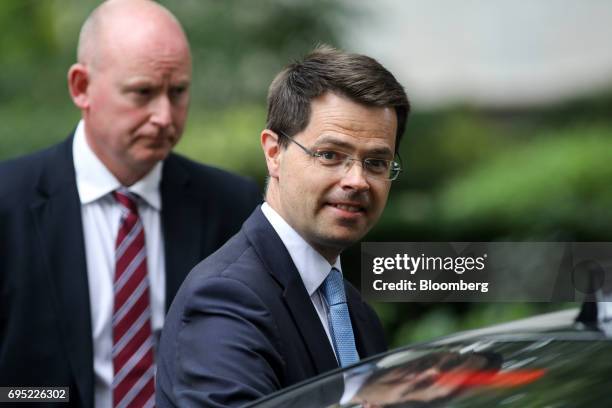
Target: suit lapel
{"x":309,"y":325}
{"x":182,"y":225}
{"x":57,"y":216}
{"x":273,"y":253}
{"x":359,"y":321}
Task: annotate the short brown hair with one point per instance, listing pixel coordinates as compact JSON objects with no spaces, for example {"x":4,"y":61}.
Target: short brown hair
{"x":326,"y":69}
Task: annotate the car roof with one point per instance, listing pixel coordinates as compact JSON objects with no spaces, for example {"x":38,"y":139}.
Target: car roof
{"x":563,"y":320}
{"x":528,"y":361}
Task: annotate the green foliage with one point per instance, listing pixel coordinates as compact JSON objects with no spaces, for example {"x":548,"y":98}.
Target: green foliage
{"x":449,"y":143}
{"x":27,"y":38}
{"x":30,"y":40}
{"x":239,"y":46}
{"x":557,"y":183}
{"x":228,"y":139}
{"x":28,"y":127}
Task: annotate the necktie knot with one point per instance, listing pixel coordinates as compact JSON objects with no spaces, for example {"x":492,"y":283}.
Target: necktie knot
{"x":333,"y":288}
{"x":127,"y":200}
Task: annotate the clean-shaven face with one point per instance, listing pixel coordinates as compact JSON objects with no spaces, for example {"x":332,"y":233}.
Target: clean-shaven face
{"x":334,"y":209}
{"x":138,"y":94}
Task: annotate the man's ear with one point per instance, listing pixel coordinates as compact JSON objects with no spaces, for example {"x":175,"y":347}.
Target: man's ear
{"x":272,"y":150}
{"x":78,"y":82}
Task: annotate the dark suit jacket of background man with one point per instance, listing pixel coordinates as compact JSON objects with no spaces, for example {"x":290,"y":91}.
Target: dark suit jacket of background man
{"x":45,"y":323}
{"x":244,"y":314}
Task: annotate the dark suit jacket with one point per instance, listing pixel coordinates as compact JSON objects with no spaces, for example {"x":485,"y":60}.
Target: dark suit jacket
{"x":45,"y":327}
{"x":242,"y":326}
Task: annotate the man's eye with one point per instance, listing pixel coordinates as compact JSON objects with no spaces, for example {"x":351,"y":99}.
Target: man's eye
{"x":143,"y":92}
{"x":330,"y":156}
{"x":177,"y":91}
{"x":377,"y":164}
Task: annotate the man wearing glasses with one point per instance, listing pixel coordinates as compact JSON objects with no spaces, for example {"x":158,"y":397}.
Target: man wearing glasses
{"x":270,"y":308}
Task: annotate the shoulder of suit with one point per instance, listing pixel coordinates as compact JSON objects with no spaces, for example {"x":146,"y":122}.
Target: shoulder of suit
{"x":235,"y":261}
{"x":231,"y":259}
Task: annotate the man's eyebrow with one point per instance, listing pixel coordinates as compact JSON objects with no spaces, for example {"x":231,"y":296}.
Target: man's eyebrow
{"x":133,"y":83}
{"x":181,"y":82}
{"x":328,"y":139}
{"x":381,"y":151}
{"x":332,"y":140}
{"x":146,"y":81}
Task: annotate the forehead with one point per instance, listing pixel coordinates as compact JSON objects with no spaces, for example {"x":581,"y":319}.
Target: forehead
{"x":147,"y":50}
{"x":335,"y":118}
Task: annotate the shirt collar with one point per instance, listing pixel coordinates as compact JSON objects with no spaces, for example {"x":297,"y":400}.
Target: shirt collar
{"x":95,"y":181}
{"x":311,"y":266}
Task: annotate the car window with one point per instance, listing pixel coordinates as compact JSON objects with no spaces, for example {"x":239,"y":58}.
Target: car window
{"x":554,"y":369}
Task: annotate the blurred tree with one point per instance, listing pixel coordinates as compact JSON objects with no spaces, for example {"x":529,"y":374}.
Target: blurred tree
{"x":554,"y":187}
{"x":27,"y":39}
{"x":239,"y":46}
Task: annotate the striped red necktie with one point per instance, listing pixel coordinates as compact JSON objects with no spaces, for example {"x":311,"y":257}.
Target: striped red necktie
{"x":133,"y":366}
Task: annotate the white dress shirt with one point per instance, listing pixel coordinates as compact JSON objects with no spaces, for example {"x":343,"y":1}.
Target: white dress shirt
{"x":101,"y":216}
{"x":311,"y":265}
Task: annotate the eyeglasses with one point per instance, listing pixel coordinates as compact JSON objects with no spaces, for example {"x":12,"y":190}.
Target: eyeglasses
{"x":381,"y":169}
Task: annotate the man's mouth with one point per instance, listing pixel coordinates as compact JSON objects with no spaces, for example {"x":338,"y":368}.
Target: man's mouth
{"x":353,"y":208}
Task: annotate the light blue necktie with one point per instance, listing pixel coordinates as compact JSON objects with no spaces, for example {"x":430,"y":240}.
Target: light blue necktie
{"x":339,"y":319}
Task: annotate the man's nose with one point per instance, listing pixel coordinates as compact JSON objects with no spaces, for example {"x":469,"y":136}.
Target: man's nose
{"x":355,"y":177}
{"x":162,"y":111}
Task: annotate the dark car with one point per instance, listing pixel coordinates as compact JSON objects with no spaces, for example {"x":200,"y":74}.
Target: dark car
{"x":551,"y":360}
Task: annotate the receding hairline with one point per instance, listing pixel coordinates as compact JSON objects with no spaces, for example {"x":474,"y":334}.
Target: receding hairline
{"x":91,"y":30}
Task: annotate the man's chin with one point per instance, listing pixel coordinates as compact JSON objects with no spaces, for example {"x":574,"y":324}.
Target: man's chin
{"x":150,"y":157}
{"x":348,"y":231}
{"x":340,"y":241}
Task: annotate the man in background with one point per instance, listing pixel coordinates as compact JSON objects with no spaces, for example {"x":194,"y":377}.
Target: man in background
{"x":98,"y":232}
{"x":271,"y":308}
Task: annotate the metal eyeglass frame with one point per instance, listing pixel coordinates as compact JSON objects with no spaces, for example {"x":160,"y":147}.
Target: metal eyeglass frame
{"x":394,"y":166}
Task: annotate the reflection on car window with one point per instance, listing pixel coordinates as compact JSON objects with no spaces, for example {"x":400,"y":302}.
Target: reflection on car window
{"x":566,"y":369}
{"x":433,"y":378}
